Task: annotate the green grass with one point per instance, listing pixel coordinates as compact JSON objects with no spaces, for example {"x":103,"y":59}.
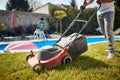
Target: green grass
{"x":91,"y":65}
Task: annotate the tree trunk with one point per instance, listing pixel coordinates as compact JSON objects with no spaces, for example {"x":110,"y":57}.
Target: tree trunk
{"x":61,"y":26}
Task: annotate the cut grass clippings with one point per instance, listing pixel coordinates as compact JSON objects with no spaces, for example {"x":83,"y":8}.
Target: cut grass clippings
{"x":91,"y":65}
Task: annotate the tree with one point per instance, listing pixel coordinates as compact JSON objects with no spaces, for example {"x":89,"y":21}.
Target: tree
{"x":117,"y":15}
{"x":19,"y":5}
{"x":60,"y":14}
{"x":118,"y":3}
{"x":73,"y":3}
{"x":71,"y":13}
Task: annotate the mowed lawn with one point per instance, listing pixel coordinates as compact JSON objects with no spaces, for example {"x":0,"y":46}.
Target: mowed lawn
{"x":91,"y":65}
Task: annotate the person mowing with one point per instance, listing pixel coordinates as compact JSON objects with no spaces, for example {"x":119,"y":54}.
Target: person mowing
{"x":105,"y":18}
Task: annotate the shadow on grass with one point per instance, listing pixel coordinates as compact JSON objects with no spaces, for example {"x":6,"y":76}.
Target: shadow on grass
{"x":85,"y":62}
{"x":118,"y":51}
{"x":80,"y":63}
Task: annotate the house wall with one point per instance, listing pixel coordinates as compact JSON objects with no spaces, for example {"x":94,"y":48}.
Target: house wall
{"x":43,"y":10}
{"x":23,"y":18}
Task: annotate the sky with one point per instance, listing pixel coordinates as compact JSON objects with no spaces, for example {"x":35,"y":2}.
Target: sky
{"x":2,"y":4}
{"x":56,"y":1}
{"x":79,"y":3}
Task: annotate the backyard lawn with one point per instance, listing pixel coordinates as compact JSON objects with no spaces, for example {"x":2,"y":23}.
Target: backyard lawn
{"x":91,"y":65}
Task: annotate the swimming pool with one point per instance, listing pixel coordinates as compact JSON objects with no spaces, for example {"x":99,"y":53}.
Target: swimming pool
{"x":91,"y":40}
{"x":38,"y":44}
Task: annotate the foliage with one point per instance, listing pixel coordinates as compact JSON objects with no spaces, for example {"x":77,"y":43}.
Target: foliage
{"x":117,"y":19}
{"x":92,"y":25}
{"x":117,"y":3}
{"x":71,"y":14}
{"x":19,"y":5}
{"x":2,"y":26}
{"x":90,"y":29}
{"x":65,"y":21}
{"x":73,"y":3}
{"x":117,"y":14}
{"x":91,"y":65}
{"x":52,"y":20}
{"x":59,"y":14}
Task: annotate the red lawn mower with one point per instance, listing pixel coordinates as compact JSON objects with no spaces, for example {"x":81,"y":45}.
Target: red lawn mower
{"x":61,"y":53}
{"x":64,"y":50}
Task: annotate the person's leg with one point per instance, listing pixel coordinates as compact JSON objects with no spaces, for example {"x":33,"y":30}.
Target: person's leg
{"x":43,"y":35}
{"x":38,"y":35}
{"x":100,"y":21}
{"x":108,"y":24}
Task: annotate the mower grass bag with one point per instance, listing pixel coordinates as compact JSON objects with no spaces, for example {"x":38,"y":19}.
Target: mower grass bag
{"x":75,"y":45}
{"x":63,"y":52}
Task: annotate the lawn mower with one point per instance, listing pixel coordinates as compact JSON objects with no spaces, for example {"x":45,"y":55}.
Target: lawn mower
{"x":64,"y":51}
{"x":61,"y":53}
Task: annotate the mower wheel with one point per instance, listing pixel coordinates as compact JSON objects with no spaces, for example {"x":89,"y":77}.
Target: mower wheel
{"x":37,"y":67}
{"x":67,"y":59}
{"x":29,"y":56}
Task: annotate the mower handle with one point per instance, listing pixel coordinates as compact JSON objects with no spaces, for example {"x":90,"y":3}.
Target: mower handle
{"x":75,"y":19}
{"x":78,"y":20}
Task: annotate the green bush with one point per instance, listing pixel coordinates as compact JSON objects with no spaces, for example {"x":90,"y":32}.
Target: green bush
{"x":2,"y":26}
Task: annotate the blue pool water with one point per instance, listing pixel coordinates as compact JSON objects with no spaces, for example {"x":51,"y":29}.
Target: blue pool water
{"x":98,"y":39}
{"x":2,"y":46}
{"x":43,"y":43}
{"x":93,"y":40}
{"x":40,"y":44}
